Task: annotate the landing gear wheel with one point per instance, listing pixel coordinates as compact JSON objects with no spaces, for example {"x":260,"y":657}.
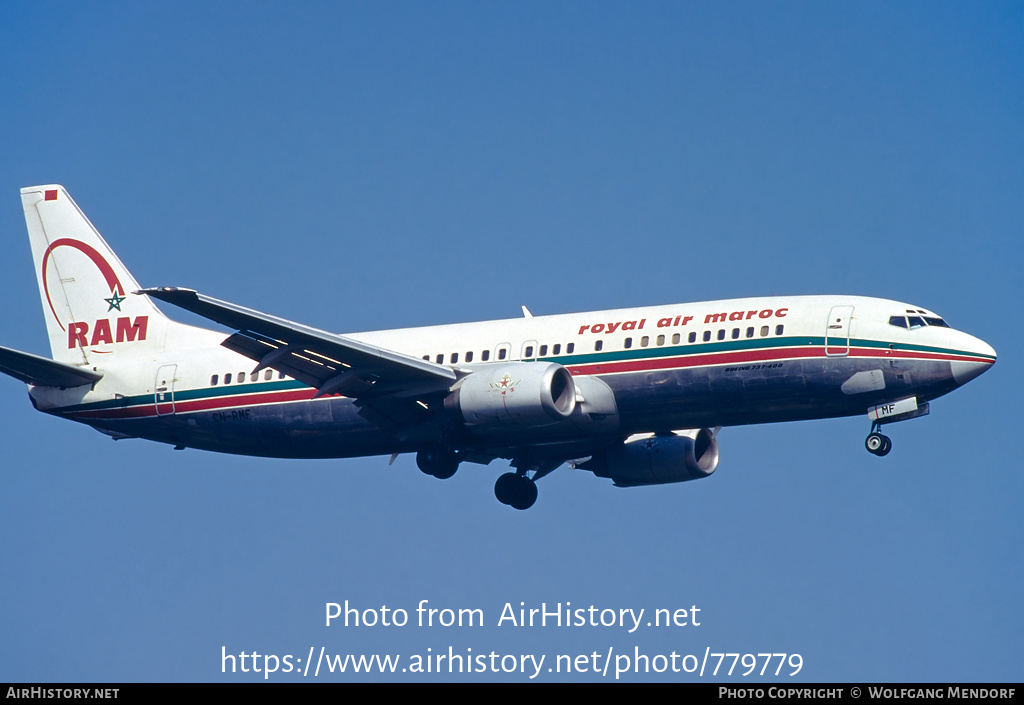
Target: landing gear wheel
{"x":439,"y":463}
{"x":517,"y":491}
{"x":526,"y":494}
{"x":878,"y":444}
{"x":505,"y":488}
{"x":885,"y":448}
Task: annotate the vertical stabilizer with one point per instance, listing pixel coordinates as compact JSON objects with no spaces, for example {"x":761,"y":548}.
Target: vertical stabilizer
{"x":91,"y":313}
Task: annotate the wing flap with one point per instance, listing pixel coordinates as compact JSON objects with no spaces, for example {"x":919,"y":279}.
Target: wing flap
{"x":44,"y":372}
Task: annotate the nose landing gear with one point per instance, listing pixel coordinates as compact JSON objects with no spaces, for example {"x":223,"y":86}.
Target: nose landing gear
{"x":876,"y":443}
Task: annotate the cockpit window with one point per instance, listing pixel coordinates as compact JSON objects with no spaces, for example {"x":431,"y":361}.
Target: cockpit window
{"x":917,"y":321}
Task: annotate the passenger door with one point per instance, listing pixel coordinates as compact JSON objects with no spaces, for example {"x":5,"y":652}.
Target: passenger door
{"x":164,"y":390}
{"x":837,"y":331}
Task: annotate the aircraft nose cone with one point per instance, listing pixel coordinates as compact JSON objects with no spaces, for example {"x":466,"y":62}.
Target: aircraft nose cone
{"x":984,"y":357}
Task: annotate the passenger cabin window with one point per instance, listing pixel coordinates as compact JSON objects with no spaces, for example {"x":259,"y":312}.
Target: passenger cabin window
{"x":485,"y":355}
{"x":241,"y":377}
{"x":502,"y":353}
{"x":598,"y":344}
{"x":779,"y":329}
{"x":661,"y":340}
{"x":455,"y":358}
{"x":764,"y":331}
{"x":268,"y":375}
{"x":693,"y":337}
{"x":557,"y":349}
{"x":721,"y":333}
{"x":570,"y":347}
{"x":735,"y":333}
{"x":469,"y":356}
{"x":213,"y":380}
{"x":227,"y":378}
{"x":543,"y":350}
{"x":644,"y":341}
{"x":750,"y":332}
{"x":528,"y":352}
{"x":707,"y":336}
{"x":627,"y":343}
{"x":440,"y":359}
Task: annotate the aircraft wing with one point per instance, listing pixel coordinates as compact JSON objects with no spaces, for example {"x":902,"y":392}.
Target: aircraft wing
{"x":333,"y":364}
{"x":44,"y":372}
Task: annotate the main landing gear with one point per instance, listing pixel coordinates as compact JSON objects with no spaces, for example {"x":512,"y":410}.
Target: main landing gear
{"x":438,"y":462}
{"x":876,"y":443}
{"x":516,"y":490}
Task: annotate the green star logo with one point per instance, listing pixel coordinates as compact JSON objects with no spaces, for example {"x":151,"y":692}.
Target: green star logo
{"x":115,"y":301}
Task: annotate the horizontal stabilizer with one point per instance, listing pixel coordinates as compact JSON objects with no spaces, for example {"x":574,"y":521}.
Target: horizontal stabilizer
{"x":44,"y":372}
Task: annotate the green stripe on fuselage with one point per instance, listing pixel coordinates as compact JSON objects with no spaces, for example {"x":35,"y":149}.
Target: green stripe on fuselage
{"x":604,"y":357}
{"x":184,"y":395}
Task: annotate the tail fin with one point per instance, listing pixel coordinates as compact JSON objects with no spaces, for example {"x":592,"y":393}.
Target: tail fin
{"x":91,"y":313}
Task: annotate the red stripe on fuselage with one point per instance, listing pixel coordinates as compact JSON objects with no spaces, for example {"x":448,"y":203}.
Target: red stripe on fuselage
{"x":760,"y":355}
{"x":619,"y":367}
{"x":210,"y":404}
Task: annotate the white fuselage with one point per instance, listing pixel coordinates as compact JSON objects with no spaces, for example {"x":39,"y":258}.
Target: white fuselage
{"x":669,"y":367}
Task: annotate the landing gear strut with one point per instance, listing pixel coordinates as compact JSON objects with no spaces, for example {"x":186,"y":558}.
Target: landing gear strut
{"x":438,"y":462}
{"x":876,"y":443}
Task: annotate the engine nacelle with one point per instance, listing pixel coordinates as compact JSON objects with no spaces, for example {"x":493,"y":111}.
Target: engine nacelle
{"x":657,"y":459}
{"x":517,"y":394}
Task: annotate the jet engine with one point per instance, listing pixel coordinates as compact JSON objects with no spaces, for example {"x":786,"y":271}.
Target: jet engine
{"x":657,"y":459}
{"x":518,"y":394}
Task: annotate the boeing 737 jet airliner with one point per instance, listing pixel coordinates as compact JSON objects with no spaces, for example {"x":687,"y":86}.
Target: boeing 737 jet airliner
{"x":634,"y":395}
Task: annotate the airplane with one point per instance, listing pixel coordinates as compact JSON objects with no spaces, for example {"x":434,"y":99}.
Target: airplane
{"x":634,"y":395}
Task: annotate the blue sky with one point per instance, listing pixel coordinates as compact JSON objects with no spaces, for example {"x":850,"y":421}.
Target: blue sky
{"x":362,"y":165}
